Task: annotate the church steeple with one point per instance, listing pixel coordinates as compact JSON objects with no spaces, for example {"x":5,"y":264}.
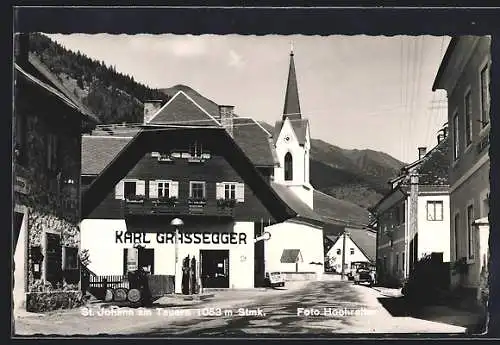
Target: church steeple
{"x":292,"y":104}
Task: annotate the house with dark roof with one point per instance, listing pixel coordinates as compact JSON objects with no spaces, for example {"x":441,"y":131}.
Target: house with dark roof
{"x":48,"y":124}
{"x":360,"y":246}
{"x":194,"y":177}
{"x":414,"y":217}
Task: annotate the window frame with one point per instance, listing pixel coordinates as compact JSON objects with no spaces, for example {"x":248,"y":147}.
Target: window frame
{"x":468,"y":130}
{"x":163,"y":184}
{"x":470,"y":231}
{"x":484,"y":97}
{"x":125,"y":195}
{"x":456,"y":234}
{"x":351,"y":251}
{"x":229,"y":188}
{"x":204,"y":192}
{"x":435,"y":203}
{"x":456,"y":136}
{"x":288,"y":166}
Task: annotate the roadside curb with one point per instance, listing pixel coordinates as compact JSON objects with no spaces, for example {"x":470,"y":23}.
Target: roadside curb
{"x":386,"y":293}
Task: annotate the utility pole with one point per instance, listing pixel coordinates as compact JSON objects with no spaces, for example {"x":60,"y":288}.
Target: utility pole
{"x":413,"y":214}
{"x":343,"y":254}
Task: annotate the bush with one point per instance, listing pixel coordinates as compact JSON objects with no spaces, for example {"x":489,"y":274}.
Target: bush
{"x":47,"y":301}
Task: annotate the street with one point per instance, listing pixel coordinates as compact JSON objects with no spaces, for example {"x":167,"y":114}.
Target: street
{"x":320,"y":307}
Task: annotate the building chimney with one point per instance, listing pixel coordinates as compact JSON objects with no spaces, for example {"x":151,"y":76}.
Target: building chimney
{"x":21,"y":48}
{"x":226,"y":117}
{"x":151,"y":107}
{"x":421,"y":152}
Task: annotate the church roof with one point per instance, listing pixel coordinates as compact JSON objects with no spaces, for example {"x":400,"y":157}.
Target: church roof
{"x":292,"y":104}
{"x":299,"y":127}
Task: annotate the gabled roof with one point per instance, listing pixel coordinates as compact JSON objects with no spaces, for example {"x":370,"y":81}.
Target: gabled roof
{"x":210,"y":106}
{"x":99,"y":150}
{"x":432,"y":168}
{"x":217,"y":141}
{"x":332,"y":238}
{"x":290,"y":256}
{"x":181,"y":109}
{"x":336,"y":211}
{"x":299,"y":127}
{"x":303,"y":210}
{"x":291,"y":108}
{"x":255,"y":141}
{"x":366,"y":241}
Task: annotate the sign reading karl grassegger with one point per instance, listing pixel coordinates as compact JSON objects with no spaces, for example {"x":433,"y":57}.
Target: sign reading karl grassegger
{"x":184,"y":238}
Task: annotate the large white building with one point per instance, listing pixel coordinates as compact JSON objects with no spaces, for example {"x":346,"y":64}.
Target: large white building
{"x":413,"y":226}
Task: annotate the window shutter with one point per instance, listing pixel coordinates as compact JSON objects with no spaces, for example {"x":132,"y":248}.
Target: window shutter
{"x":125,"y":256}
{"x":153,"y":189}
{"x":119,"y":190}
{"x":219,"y":190}
{"x":174,"y":189}
{"x":140,"y":187}
{"x":240,"y":192}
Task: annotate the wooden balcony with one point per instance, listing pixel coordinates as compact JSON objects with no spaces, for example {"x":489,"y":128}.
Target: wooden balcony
{"x":180,"y":207}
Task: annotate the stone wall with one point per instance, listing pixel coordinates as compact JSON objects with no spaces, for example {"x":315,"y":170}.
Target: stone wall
{"x":51,"y":196}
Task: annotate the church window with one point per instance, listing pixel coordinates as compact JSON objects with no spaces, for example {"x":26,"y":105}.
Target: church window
{"x":288,"y":167}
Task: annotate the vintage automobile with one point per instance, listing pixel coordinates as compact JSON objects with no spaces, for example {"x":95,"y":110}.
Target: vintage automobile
{"x":364,"y":275}
{"x":274,"y":279}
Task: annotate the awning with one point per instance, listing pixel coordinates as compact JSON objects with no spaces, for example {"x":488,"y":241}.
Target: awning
{"x":291,"y":256}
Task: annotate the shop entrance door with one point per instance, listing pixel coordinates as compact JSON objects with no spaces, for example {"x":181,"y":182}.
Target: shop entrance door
{"x":214,"y":268}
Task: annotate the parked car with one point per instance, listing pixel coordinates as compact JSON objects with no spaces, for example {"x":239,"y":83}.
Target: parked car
{"x":364,"y":276}
{"x":274,"y":279}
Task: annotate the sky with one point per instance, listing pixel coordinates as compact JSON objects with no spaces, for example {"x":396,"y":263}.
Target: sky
{"x":358,"y":92}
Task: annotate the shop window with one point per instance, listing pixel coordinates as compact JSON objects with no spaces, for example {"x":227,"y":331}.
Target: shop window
{"x":197,"y":190}
{"x":434,"y":210}
{"x":288,"y":167}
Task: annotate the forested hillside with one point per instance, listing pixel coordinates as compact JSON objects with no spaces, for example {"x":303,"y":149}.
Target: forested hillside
{"x":112,"y":96}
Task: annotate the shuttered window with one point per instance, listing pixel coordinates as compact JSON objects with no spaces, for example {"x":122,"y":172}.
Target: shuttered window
{"x":230,"y":190}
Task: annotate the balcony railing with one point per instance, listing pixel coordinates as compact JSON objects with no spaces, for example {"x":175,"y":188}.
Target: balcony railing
{"x":179,"y":207}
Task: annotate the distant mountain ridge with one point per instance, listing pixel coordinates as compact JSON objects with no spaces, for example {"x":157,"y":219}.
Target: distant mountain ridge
{"x":358,"y":176}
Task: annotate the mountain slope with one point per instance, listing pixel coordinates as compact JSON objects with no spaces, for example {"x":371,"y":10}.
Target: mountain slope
{"x":358,"y":176}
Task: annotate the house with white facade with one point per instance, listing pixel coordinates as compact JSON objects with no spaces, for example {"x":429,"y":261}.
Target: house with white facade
{"x":414,"y":217}
{"x":359,"y":246}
